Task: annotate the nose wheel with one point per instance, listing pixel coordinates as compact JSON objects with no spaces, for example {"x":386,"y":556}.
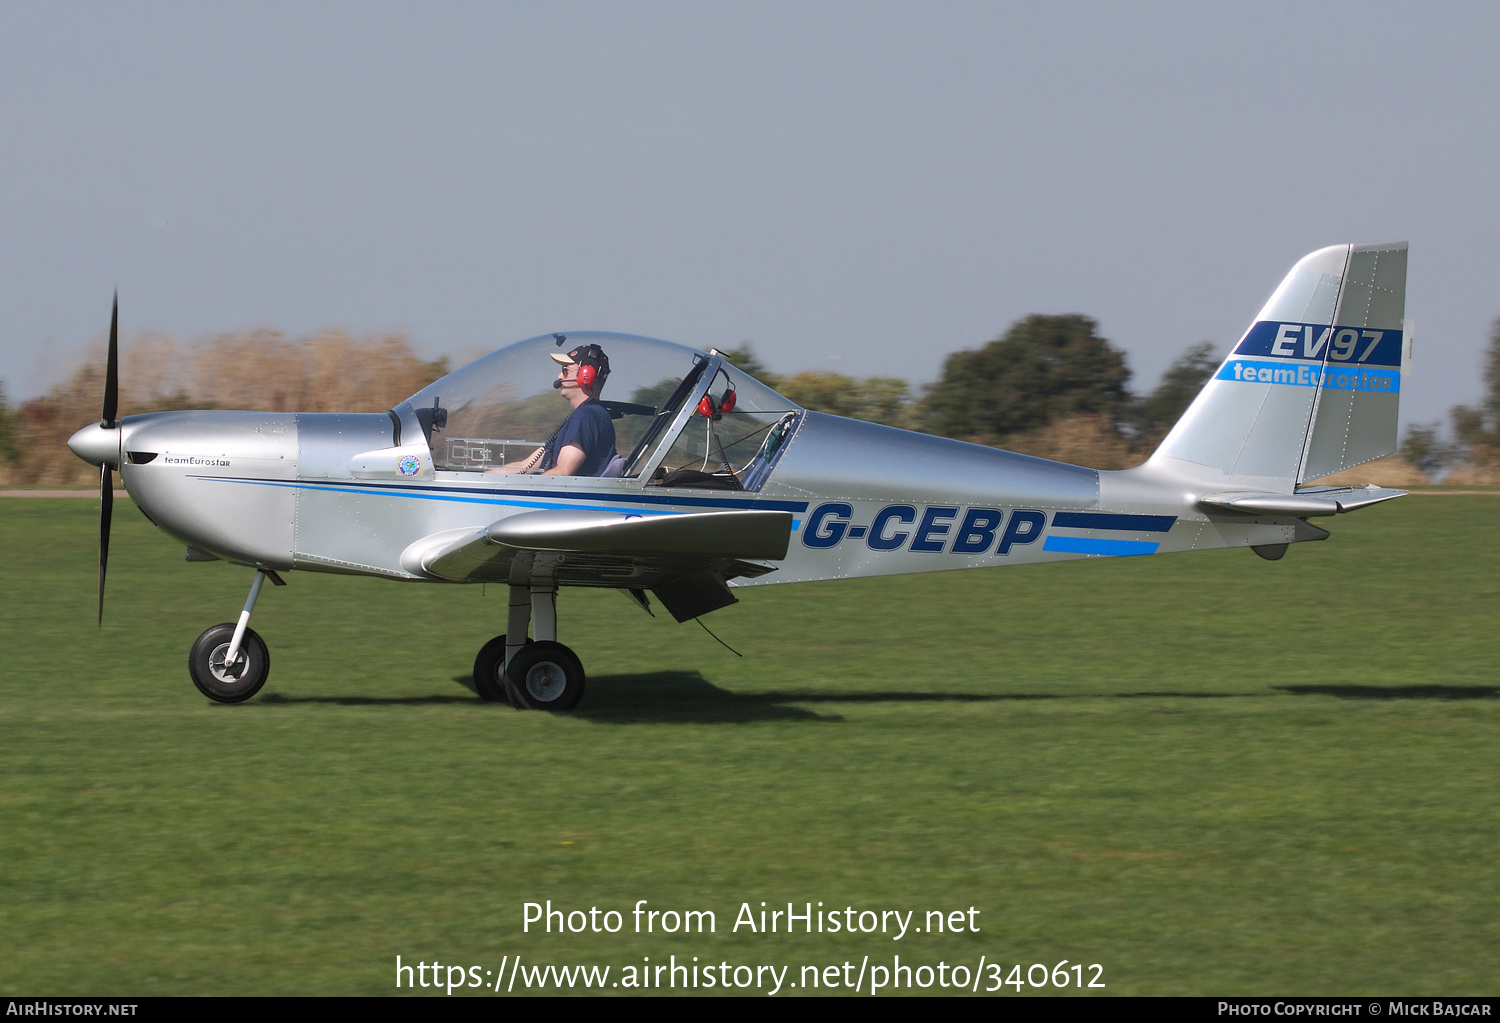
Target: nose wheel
{"x":224,"y":680}
{"x":229,"y":663}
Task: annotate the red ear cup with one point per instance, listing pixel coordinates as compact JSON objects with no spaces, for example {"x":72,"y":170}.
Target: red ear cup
{"x":586,"y":375}
{"x":726,"y":403}
{"x":706,"y":406}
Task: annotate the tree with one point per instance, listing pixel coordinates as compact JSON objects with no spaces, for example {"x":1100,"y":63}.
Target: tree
{"x":746,"y":359}
{"x":883,"y":400}
{"x":9,"y":448}
{"x":1423,"y":449}
{"x":1045,"y":368}
{"x":1152,"y":415}
{"x":874,"y":399}
{"x":1477,"y":428}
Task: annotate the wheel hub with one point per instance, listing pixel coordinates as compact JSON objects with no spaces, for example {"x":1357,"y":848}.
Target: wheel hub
{"x":226,"y":673}
{"x":546,"y":681}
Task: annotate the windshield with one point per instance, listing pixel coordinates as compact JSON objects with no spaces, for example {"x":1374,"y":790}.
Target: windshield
{"x":500,"y":409}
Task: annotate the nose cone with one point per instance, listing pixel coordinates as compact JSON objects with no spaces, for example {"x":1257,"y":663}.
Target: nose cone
{"x":97,"y":445}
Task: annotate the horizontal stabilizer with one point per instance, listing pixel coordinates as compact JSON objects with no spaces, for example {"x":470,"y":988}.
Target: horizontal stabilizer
{"x":1353,"y":498}
{"x":1307,"y":501}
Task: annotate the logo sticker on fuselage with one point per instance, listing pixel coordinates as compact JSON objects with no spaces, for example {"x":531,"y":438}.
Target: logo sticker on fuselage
{"x":410,"y":465}
{"x":194,"y":460}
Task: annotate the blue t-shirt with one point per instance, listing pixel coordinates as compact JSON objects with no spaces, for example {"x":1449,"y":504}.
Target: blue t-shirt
{"x":590,"y":428}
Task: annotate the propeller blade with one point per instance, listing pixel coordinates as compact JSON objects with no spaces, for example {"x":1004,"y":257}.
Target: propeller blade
{"x":106,"y":512}
{"x":111,"y":370}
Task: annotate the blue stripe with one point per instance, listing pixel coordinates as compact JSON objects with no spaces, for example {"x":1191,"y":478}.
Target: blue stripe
{"x":1093,"y":545}
{"x":1333,"y":377}
{"x":1099,"y":520}
{"x":553,"y":498}
{"x":1317,"y":343}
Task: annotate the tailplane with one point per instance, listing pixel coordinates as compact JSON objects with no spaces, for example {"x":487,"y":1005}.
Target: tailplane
{"x":1314,"y":385}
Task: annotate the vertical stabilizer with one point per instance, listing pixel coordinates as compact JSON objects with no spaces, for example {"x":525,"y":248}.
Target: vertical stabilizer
{"x":1313,"y":385}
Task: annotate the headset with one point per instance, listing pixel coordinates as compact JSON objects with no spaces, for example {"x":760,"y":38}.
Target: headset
{"x":710,"y":409}
{"x":593,"y":369}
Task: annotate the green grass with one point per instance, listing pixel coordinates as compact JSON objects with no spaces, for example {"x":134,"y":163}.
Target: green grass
{"x":1208,"y":773}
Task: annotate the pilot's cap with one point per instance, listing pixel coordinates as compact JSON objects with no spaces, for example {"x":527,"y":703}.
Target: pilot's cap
{"x":584,"y":355}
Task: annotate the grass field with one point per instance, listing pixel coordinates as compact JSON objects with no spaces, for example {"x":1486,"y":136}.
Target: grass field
{"x":1208,"y":773}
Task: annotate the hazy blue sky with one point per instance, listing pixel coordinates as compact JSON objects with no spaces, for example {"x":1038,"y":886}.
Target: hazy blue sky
{"x":858,"y":186}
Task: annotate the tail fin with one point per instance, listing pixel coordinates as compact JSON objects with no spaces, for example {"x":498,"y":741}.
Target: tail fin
{"x":1313,"y":387}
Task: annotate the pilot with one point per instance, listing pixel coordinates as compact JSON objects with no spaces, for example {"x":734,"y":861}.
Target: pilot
{"x":584,"y":444}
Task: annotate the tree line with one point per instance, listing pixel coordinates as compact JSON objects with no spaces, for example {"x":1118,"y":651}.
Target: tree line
{"x":261,"y":370}
{"x":1050,"y":386}
{"x":1473,"y":455}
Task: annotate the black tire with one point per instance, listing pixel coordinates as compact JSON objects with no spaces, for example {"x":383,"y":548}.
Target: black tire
{"x":488,"y":682}
{"x":548,"y":675}
{"x":206,"y":665}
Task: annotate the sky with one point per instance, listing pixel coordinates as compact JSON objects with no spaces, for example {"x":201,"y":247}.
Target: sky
{"x":862,"y":187}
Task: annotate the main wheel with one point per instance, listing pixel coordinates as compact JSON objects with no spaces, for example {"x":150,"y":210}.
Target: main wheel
{"x":549,"y":675}
{"x":488,"y":666}
{"x":232,"y":683}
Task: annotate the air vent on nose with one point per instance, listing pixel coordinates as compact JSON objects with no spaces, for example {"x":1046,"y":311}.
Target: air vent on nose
{"x":139,"y":457}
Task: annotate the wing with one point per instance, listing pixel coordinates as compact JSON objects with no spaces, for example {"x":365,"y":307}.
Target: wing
{"x":686,"y":560}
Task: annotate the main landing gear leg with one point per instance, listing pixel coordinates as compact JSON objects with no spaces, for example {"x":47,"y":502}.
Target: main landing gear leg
{"x":517,"y":620}
{"x":541,"y":674}
{"x":229,"y":663}
{"x":490,"y":679}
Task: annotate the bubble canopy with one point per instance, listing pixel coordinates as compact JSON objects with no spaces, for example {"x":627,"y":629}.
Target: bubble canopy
{"x":501,"y":408}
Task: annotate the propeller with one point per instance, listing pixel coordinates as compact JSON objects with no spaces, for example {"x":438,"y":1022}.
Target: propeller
{"x":107,"y":420}
{"x":112,"y":369}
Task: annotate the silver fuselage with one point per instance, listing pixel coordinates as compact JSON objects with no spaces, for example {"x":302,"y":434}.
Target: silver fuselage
{"x":1312,"y":388}
{"x":277,"y":491}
